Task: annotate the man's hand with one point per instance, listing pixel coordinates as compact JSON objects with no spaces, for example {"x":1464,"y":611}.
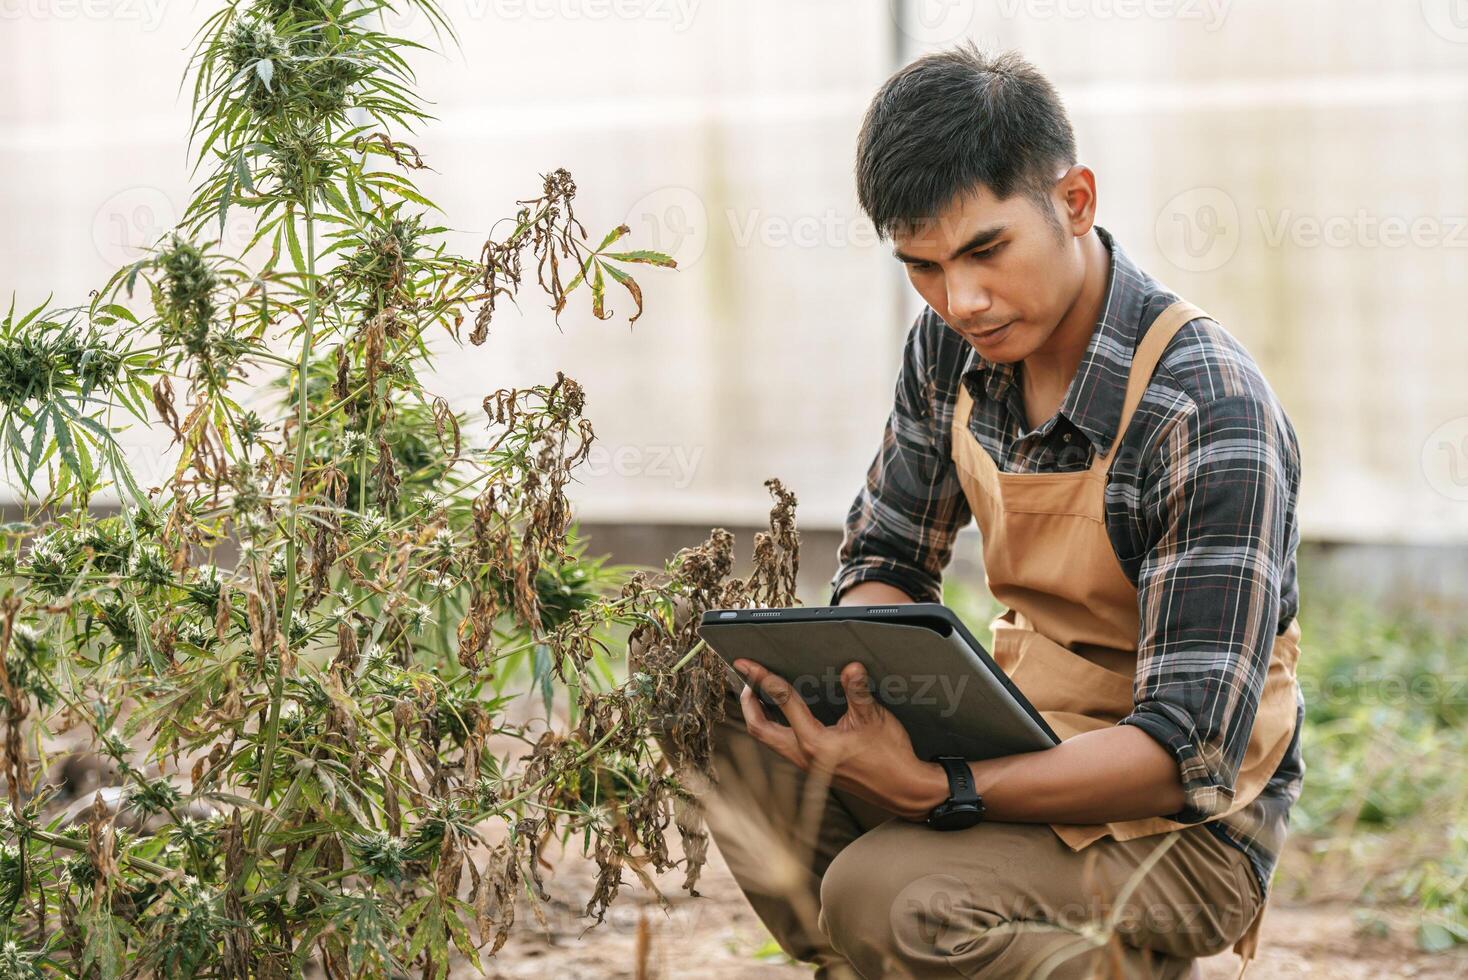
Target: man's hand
{"x":1116,"y":773}
{"x":867,"y":752}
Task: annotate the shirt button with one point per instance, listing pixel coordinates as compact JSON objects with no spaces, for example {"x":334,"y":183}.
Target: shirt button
{"x":1066,"y":437}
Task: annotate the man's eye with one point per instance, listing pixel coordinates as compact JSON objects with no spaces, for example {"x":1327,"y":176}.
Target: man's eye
{"x":987,"y":253}
{"x":921,"y":266}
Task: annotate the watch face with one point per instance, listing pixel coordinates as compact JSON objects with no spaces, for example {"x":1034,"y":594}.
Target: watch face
{"x":956,"y":817}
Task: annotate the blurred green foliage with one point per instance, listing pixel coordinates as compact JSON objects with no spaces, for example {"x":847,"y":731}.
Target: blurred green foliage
{"x":1382,"y":820}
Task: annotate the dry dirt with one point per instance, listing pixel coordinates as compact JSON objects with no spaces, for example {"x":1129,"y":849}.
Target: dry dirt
{"x":717,"y":936}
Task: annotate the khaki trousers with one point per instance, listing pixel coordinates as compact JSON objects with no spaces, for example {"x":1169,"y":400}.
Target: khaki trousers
{"x":850,"y":887}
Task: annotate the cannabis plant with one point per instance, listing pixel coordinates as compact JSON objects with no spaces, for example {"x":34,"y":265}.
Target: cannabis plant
{"x":290,"y":660}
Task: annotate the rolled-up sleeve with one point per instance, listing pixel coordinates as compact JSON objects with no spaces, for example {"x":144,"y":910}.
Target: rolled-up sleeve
{"x":901,"y":526}
{"x":1217,"y":506}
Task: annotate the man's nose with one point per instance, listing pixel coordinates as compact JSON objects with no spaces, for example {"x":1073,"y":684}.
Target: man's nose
{"x":968,"y":299}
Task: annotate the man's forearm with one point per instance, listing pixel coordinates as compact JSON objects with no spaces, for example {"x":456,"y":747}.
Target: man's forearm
{"x":874,"y":593}
{"x":1116,"y":773}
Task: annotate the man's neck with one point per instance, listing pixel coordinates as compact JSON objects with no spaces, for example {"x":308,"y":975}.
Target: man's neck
{"x":1052,"y":366}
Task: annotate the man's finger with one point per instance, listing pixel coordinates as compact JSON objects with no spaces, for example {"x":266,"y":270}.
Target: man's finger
{"x":856,"y":682}
{"x":807,"y":728}
{"x":768,"y":733}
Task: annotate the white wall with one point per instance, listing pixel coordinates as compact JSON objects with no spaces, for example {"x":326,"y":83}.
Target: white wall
{"x":723,"y":130}
{"x":1297,"y":169}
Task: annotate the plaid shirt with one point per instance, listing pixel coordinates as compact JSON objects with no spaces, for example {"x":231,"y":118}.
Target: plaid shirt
{"x":1200,"y":508}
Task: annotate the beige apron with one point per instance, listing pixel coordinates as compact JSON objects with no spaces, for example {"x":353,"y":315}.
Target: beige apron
{"x":1068,"y":637}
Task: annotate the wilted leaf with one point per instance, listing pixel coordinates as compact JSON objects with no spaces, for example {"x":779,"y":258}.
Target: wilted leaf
{"x":644,"y":256}
{"x":632,"y":287}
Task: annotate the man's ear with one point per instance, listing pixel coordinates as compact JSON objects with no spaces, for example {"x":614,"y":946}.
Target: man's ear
{"x":1075,"y":199}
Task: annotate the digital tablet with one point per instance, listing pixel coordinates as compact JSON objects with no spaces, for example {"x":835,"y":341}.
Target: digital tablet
{"x":923,"y":664}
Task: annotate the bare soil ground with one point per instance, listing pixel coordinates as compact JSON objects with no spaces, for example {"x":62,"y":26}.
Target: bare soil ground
{"x":718,"y":936}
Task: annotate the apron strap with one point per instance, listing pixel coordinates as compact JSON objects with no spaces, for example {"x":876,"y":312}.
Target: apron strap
{"x":962,"y":409}
{"x":1144,"y":362}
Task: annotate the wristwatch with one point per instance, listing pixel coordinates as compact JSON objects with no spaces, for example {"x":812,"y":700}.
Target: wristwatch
{"x":964,"y":807}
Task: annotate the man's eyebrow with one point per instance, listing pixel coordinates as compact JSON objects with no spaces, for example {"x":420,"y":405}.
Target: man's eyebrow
{"x":979,"y":239}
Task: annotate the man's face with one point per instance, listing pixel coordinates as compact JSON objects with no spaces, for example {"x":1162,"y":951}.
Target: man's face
{"x":997,"y":272}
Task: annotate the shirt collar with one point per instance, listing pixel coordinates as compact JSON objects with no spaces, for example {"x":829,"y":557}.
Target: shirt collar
{"x":1094,"y":400}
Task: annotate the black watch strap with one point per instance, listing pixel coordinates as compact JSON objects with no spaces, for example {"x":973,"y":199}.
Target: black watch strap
{"x":960,"y":778}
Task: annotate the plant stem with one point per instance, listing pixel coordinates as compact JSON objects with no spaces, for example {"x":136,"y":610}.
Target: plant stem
{"x":292,"y":546}
{"x":591,"y":750}
{"x":66,"y":843}
{"x":697,"y":648}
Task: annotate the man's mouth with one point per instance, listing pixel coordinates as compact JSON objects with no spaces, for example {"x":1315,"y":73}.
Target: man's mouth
{"x":991,"y":335}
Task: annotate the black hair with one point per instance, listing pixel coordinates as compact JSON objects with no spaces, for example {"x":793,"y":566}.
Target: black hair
{"x":952,"y":121}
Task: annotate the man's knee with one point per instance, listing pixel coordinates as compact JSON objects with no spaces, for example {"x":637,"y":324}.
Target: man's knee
{"x":886,"y":909}
{"x":856,"y":895}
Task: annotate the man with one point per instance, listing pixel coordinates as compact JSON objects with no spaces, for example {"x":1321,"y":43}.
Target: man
{"x":1134,"y":479}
